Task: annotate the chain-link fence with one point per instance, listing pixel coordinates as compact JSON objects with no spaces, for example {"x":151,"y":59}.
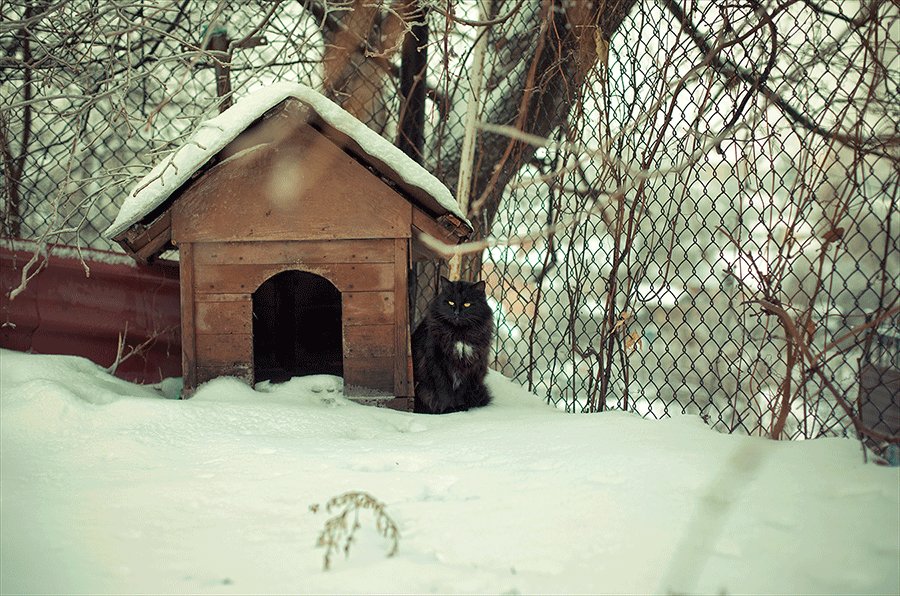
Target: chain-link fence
{"x":94,"y":93}
{"x":707,"y":222}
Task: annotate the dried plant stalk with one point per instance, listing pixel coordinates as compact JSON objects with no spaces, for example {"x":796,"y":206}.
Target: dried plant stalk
{"x":340,"y":529}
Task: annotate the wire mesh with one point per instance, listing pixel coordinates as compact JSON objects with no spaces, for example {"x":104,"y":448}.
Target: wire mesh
{"x":717,"y":200}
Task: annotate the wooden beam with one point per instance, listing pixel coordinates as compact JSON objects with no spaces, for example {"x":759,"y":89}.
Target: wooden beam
{"x":146,"y":242}
{"x":402,"y":355}
{"x":447,"y":229}
{"x":188,"y":345}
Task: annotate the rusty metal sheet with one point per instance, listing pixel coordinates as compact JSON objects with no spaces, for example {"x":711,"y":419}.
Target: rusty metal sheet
{"x":65,"y":310}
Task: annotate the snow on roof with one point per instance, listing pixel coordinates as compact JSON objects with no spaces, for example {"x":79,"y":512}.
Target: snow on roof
{"x":213,"y":135}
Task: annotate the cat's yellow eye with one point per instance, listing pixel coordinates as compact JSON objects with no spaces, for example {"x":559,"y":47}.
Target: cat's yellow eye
{"x":451,"y":303}
{"x":467,"y":304}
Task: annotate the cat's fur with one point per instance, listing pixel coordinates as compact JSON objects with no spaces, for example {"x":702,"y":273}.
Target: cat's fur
{"x":450,"y":349}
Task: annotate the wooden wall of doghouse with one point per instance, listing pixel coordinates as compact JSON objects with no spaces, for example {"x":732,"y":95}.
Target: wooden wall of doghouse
{"x":300,"y":203}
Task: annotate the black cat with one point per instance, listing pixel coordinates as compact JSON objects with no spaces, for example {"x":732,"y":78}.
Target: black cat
{"x":450,"y":349}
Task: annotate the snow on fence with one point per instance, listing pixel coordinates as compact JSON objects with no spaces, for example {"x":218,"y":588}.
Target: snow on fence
{"x":719,"y":183}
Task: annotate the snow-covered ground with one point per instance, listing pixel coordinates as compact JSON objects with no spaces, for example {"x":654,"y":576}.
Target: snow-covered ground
{"x":113,"y":487}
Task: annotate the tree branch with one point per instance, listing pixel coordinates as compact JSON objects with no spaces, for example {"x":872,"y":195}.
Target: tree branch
{"x":728,"y":69}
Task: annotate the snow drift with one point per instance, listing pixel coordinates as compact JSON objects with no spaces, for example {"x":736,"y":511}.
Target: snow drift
{"x":113,"y":487}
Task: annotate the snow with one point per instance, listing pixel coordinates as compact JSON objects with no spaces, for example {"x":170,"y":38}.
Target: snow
{"x":213,"y":135}
{"x":110,"y":487}
{"x":84,"y":254}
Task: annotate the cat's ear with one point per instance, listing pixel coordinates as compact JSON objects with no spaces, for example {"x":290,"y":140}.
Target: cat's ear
{"x":444,"y":282}
{"x":478,"y":286}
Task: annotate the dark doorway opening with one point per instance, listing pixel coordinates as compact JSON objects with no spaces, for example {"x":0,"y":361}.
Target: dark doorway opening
{"x":297,"y":327}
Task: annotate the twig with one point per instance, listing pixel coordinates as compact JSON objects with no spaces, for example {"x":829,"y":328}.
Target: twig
{"x":790,"y":329}
{"x":339,"y":531}
{"x":122,"y":355}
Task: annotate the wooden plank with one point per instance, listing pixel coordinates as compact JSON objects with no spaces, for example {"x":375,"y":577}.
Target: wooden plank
{"x":369,"y":376}
{"x":423,"y":222}
{"x":401,"y":318}
{"x":224,"y":349}
{"x":160,"y":224}
{"x":368,"y":341}
{"x":138,"y":235}
{"x":203,"y":297}
{"x":129,"y":250}
{"x":347,"y":277}
{"x":368,"y":308}
{"x":188,"y":346}
{"x":303,"y":188}
{"x":361,"y":278}
{"x":209,"y":372}
{"x":295,"y":252}
{"x":415,"y":194}
{"x":223,"y":317}
{"x":274,"y":127}
{"x":155,"y":246}
{"x":403,"y":404}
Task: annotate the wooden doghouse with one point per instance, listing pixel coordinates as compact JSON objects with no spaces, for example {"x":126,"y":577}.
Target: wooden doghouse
{"x":296,"y":227}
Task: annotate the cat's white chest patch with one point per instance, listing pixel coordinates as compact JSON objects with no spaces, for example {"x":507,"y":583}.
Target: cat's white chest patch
{"x":463,"y":350}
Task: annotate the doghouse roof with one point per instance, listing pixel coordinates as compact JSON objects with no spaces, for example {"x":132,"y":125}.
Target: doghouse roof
{"x":163,"y":184}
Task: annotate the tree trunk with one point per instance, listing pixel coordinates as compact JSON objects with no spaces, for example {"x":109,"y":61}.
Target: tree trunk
{"x":358,"y":49}
{"x":535,"y":94}
{"x":413,"y":72}
{"x":541,"y":58}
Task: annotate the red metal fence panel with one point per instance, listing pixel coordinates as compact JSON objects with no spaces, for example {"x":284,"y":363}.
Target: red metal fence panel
{"x":81,"y":303}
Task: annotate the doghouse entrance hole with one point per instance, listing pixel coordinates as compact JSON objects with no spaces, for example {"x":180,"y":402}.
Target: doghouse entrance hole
{"x":296,"y":327}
